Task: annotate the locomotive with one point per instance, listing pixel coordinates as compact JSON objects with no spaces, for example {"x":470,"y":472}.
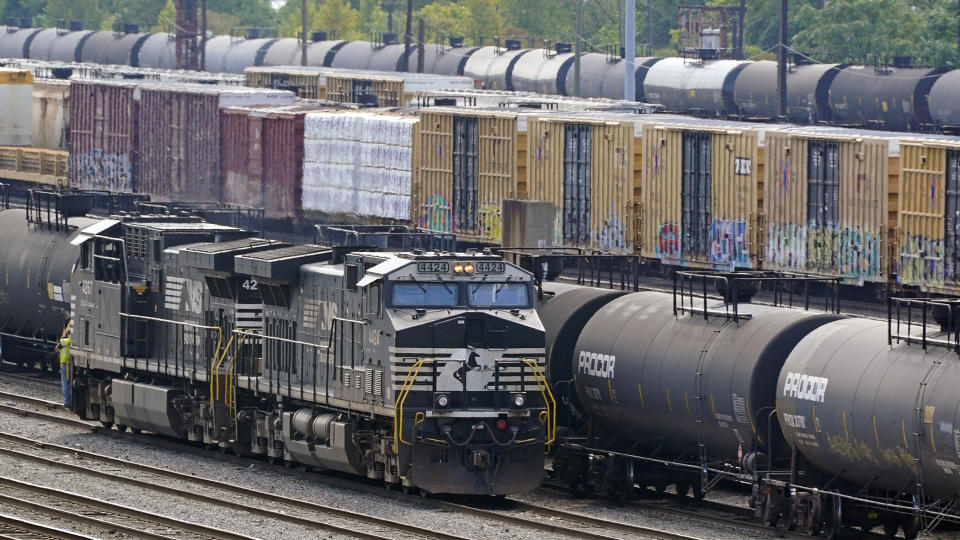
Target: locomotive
{"x":835,"y":421}
{"x":423,"y":369}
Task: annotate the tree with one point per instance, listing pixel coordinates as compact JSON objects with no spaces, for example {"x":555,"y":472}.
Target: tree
{"x":321,"y":15}
{"x":372,"y":19}
{"x":71,"y":10}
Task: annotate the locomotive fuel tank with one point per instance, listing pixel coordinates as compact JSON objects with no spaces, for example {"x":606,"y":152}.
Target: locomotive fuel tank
{"x":35,"y":267}
{"x":672,"y":383}
{"x":869,"y":412}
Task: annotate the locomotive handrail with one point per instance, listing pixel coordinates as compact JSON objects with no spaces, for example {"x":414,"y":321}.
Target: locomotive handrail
{"x":218,"y":329}
{"x":551,"y":404}
{"x":215,"y":371}
{"x":401,"y":400}
{"x":230,"y":374}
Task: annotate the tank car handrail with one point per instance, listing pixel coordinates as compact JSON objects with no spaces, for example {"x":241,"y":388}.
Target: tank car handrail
{"x":949,"y":327}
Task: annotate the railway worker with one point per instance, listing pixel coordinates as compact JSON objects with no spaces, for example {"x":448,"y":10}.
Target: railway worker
{"x":63,"y":347}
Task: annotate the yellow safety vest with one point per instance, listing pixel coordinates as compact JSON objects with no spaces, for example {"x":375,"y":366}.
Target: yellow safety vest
{"x":65,"y":350}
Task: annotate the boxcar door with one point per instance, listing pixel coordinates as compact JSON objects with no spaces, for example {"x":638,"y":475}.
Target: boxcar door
{"x":951,"y":219}
{"x":576,"y":183}
{"x":696,"y":194}
{"x":823,"y":202}
{"x":465,"y":204}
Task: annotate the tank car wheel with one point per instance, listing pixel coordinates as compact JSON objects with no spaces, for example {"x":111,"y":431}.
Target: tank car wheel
{"x":890,"y":528}
{"x":424,"y":493}
{"x":290,"y":464}
{"x":273,"y":460}
{"x":121,"y":428}
{"x":911,"y":528}
{"x":408,"y":490}
{"x":106,"y":424}
{"x":136,"y":430}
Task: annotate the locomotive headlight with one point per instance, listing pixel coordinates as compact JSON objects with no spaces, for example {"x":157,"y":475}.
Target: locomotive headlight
{"x":468,"y":268}
{"x":517,"y":401}
{"x":458,"y":269}
{"x":441,"y":401}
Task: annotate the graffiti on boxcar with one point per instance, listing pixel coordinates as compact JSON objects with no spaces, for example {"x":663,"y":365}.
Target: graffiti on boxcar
{"x":612,"y":235}
{"x":668,"y":241}
{"x":728,"y":243}
{"x":849,"y":253}
{"x":859,"y":255}
{"x":490,"y":222}
{"x":921,"y":261}
{"x":97,"y":170}
{"x":786,"y":246}
{"x":437,"y":214}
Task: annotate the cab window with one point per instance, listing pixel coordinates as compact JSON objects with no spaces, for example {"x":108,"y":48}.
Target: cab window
{"x":500,"y":295}
{"x":420,"y":294}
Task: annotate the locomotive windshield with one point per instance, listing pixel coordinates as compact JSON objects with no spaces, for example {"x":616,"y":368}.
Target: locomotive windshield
{"x":419,"y":294}
{"x":501,"y":295}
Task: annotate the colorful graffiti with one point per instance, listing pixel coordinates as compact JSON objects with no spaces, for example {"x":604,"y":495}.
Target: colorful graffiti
{"x":786,"y":246}
{"x":729,"y":244}
{"x":921,"y":261}
{"x":437,"y":214}
{"x":97,"y":170}
{"x":490,"y":222}
{"x":852,"y":254}
{"x":668,"y":241}
{"x":612,"y":235}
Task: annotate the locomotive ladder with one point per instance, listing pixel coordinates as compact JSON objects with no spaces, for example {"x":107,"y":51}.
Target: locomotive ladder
{"x":701,"y":405}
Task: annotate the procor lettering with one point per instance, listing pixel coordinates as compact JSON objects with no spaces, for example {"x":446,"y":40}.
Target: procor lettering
{"x":806,"y":387}
{"x":597,"y":365}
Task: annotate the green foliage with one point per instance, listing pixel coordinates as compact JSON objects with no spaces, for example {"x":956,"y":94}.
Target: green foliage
{"x":833,"y":30}
{"x":876,"y":30}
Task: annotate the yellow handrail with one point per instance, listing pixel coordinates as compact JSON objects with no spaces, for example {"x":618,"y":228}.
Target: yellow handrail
{"x":401,"y":400}
{"x":547,"y":393}
{"x":230,"y":390}
{"x":215,"y":372}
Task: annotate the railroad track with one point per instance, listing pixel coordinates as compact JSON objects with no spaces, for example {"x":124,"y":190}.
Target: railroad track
{"x":509,"y":511}
{"x":73,"y":508}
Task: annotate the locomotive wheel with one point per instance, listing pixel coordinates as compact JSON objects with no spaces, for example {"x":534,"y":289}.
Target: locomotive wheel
{"x":890,"y":528}
{"x":682,"y":489}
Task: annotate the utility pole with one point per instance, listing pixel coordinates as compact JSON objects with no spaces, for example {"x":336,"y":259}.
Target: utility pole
{"x":187,"y":34}
{"x":203,"y":32}
{"x":742,"y":16}
{"x":407,"y":37}
{"x":629,"y":50}
{"x":421,"y":39}
{"x":650,"y":24}
{"x":303,"y":32}
{"x":578,"y":49}
{"x":782,"y":62}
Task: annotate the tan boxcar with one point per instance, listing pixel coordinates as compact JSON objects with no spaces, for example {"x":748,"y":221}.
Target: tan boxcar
{"x":585,"y":167}
{"x":466,"y":165}
{"x":306,"y":82}
{"x":825,"y":205}
{"x":700,"y":196}
{"x":928,"y":225}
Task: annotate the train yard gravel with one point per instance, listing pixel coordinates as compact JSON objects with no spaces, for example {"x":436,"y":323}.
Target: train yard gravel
{"x":289,"y":485}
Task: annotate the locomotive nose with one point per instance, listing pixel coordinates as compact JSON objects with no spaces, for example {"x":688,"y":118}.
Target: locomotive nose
{"x":478,"y":459}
